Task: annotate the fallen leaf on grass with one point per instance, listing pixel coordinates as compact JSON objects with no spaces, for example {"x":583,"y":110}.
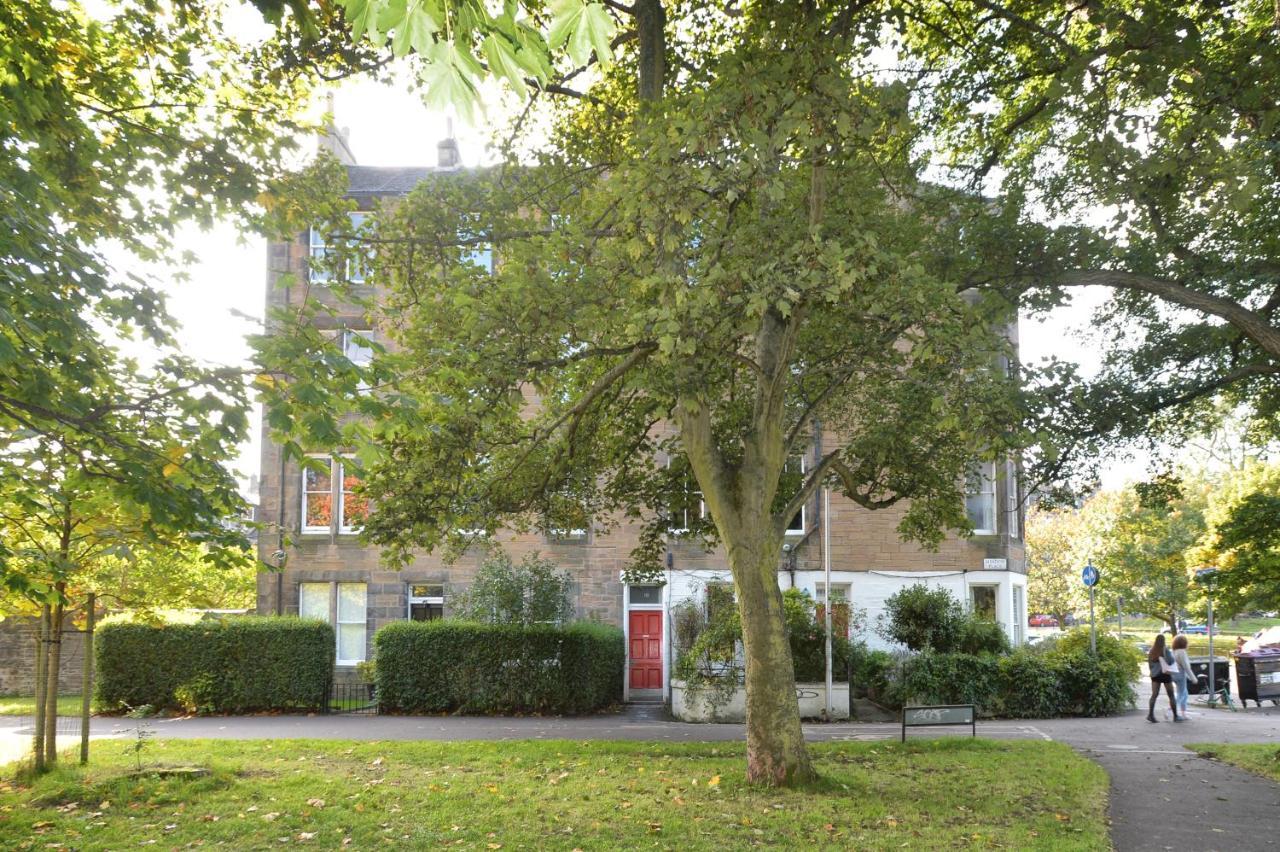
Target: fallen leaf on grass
{"x":316,"y":803}
{"x":714,"y":782}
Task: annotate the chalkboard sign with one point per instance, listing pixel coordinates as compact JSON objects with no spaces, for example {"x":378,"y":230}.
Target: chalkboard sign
{"x":939,"y":714}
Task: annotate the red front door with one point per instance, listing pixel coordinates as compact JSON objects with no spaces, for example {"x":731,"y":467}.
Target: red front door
{"x":645,"y":632}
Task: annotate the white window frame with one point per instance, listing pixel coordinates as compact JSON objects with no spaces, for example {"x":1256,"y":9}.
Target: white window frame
{"x":333,"y":615}
{"x":303,"y":525}
{"x":1014,"y":499}
{"x":339,"y":623}
{"x":995,"y":599}
{"x":844,"y":595}
{"x":986,"y":474}
{"x":318,"y":248}
{"x":326,"y":614}
{"x":430,"y":600}
{"x":804,"y":507}
{"x":702,"y":505}
{"x":354,"y":350}
{"x":480,"y":254}
{"x":340,"y":492}
{"x":1019,"y":615}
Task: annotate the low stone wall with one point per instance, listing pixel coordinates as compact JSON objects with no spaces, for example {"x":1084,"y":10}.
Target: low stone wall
{"x":18,"y":658}
{"x":697,"y":705}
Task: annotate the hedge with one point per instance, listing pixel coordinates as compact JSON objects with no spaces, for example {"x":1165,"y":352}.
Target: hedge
{"x":233,"y":665}
{"x":453,"y":666}
{"x":1060,"y":681}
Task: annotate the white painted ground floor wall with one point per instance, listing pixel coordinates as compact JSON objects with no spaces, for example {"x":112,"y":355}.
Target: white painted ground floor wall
{"x":867,"y":590}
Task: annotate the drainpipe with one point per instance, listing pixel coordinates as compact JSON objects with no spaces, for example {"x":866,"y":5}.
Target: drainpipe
{"x":284,"y":489}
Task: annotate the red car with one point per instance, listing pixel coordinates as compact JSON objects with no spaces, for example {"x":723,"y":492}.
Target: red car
{"x":1042,"y":621}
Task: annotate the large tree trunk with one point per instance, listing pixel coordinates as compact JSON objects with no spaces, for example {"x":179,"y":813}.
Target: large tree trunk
{"x":776,"y":753}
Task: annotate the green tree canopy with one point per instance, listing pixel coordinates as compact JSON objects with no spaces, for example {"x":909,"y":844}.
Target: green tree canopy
{"x":745,"y":270}
{"x":1054,"y":562}
{"x":1243,"y":540}
{"x":1146,"y":134}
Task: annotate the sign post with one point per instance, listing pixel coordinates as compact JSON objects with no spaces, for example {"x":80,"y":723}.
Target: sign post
{"x":1090,"y":577}
{"x":1209,"y":577}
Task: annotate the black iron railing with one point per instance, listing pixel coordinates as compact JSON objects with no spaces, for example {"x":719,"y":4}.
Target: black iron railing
{"x":352,"y":699}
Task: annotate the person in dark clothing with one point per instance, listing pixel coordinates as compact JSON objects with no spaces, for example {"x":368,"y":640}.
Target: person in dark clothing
{"x":1160,"y":662}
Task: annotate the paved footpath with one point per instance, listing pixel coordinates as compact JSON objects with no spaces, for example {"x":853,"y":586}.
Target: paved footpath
{"x":1162,"y":796}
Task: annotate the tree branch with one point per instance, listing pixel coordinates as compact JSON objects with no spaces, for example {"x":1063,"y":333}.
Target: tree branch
{"x":1250,"y":323}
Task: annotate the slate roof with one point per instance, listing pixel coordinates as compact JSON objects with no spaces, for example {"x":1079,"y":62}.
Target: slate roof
{"x":384,"y":180}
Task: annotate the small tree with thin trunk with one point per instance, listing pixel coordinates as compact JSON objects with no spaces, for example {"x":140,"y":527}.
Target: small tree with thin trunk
{"x":80,"y":516}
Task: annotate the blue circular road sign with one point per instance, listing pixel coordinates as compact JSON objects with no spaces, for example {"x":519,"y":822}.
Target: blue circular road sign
{"x":1090,"y":576}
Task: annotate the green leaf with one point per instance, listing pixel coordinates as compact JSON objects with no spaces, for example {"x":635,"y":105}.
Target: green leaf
{"x":502,"y":62}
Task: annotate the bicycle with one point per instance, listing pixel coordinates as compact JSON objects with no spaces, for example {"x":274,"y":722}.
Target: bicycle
{"x":1220,"y":696}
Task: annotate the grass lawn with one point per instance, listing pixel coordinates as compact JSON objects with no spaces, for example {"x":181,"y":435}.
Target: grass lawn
{"x":25,"y":705}
{"x":1263,"y":759}
{"x":926,"y":794}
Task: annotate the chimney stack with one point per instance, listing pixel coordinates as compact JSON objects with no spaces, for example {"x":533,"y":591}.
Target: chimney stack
{"x":337,"y":141}
{"x":447,"y":155}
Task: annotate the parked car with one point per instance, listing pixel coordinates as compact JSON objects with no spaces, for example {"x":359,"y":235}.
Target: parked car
{"x":1195,"y":629}
{"x":1042,"y":621}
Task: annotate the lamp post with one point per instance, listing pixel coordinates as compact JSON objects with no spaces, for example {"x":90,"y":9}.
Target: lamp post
{"x":1208,"y":577}
{"x":826,"y":576}
{"x":1120,"y":615}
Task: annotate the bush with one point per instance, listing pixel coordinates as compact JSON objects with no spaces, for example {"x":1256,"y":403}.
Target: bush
{"x":529,"y":592}
{"x":922,"y":618}
{"x":871,"y":672}
{"x":464,"y":667}
{"x":1119,"y":653}
{"x":707,"y":641}
{"x":1027,"y":684}
{"x":1030,"y":687}
{"x":235,"y":665}
{"x":980,"y":636}
{"x":807,"y":637}
{"x":930,"y":678}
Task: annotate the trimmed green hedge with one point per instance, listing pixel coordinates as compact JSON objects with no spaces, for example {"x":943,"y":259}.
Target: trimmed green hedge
{"x":1063,"y":679}
{"x":464,"y":667}
{"x":233,"y":665}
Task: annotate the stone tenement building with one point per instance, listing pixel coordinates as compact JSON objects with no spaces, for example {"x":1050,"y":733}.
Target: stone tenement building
{"x":330,"y":575}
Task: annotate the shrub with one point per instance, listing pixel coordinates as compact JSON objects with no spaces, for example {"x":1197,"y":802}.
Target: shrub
{"x":1091,"y":686}
{"x":930,"y":678}
{"x":712,"y":654}
{"x":464,"y":667}
{"x":503,"y":592}
{"x":980,"y":636}
{"x":871,"y":672}
{"x":1029,"y":687}
{"x":922,"y":618}
{"x":1025,"y":684}
{"x":808,"y":640}
{"x":235,"y":665}
{"x":1116,"y":651}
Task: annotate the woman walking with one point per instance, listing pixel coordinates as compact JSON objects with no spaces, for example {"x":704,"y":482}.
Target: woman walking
{"x":1159,"y":662}
{"x":1184,"y":675}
